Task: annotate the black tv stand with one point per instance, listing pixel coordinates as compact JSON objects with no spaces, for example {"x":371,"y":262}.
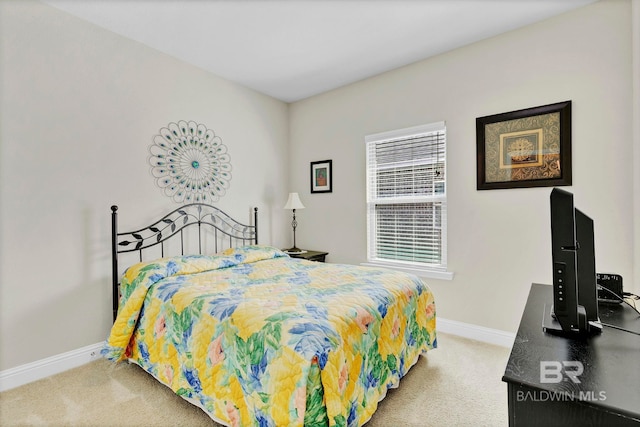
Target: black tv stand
{"x":608,"y":391}
{"x":586,"y":327}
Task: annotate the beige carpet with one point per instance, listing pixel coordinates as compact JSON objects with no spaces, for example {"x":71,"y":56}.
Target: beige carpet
{"x":458,"y":384}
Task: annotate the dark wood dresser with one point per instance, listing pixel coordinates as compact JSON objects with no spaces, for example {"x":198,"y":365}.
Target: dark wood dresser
{"x":558,"y":381}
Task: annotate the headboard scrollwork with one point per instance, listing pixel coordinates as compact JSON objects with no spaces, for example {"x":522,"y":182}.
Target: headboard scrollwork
{"x":200,"y":215}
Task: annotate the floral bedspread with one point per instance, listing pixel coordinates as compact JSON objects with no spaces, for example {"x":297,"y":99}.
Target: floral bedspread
{"x":255,"y":337}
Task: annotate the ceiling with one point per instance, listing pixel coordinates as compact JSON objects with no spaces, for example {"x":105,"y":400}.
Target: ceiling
{"x":293,"y":49}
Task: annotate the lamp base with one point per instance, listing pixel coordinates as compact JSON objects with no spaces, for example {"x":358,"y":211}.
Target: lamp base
{"x":293,"y":250}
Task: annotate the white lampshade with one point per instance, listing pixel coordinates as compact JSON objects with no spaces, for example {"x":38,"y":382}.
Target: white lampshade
{"x":294,"y":202}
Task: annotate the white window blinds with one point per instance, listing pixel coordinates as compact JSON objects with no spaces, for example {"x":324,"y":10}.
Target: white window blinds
{"x":406,"y":197}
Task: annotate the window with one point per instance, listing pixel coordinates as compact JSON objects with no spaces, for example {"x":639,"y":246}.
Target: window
{"x":407,"y":199}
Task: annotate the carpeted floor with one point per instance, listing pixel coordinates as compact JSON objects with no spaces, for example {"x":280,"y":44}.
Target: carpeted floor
{"x":458,"y":384}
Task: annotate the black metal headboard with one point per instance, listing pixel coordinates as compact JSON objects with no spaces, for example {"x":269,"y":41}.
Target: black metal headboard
{"x":173,"y":224}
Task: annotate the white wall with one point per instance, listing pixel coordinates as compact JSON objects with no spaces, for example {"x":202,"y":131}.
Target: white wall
{"x":635,"y":48}
{"x":78,"y":109}
{"x":499,"y":240}
{"x":79,"y":106}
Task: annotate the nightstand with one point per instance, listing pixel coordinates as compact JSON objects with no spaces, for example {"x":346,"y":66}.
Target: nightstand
{"x":311,"y":256}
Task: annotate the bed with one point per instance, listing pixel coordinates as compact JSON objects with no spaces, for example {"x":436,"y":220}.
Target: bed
{"x":256,"y":338}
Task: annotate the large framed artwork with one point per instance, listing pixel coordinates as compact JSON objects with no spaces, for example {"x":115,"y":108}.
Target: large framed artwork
{"x":321,"y":177}
{"x":525,"y":148}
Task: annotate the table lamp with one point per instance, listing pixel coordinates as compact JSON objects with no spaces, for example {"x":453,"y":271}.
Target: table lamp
{"x":294,"y":203}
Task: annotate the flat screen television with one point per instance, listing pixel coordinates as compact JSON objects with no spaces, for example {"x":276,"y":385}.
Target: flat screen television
{"x":575,"y":296}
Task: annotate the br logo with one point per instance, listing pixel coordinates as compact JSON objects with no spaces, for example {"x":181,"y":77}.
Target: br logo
{"x":552,"y":371}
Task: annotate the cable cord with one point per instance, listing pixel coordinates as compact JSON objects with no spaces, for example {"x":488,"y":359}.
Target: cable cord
{"x":602,"y":288}
{"x":620,"y":329}
{"x":621,"y":299}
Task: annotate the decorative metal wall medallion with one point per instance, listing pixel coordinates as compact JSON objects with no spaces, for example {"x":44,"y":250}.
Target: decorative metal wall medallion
{"x":190,"y":163}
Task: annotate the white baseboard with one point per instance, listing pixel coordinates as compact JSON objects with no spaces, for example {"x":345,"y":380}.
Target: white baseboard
{"x":40,"y":369}
{"x":479,"y":333}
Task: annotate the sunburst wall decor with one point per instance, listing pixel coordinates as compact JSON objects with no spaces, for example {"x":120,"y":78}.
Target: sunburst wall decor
{"x":190,"y":163}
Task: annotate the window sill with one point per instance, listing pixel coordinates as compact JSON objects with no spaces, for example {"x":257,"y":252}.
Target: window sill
{"x":420,"y":272}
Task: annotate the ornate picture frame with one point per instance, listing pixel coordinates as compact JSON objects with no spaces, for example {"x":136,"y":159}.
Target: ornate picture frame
{"x":322,"y":176}
{"x":525,"y":148}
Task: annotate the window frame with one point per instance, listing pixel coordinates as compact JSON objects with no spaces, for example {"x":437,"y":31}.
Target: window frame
{"x":421,"y":269}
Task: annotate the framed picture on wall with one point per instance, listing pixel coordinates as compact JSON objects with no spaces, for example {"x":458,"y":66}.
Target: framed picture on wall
{"x":525,"y":148}
{"x":321,"y":176}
